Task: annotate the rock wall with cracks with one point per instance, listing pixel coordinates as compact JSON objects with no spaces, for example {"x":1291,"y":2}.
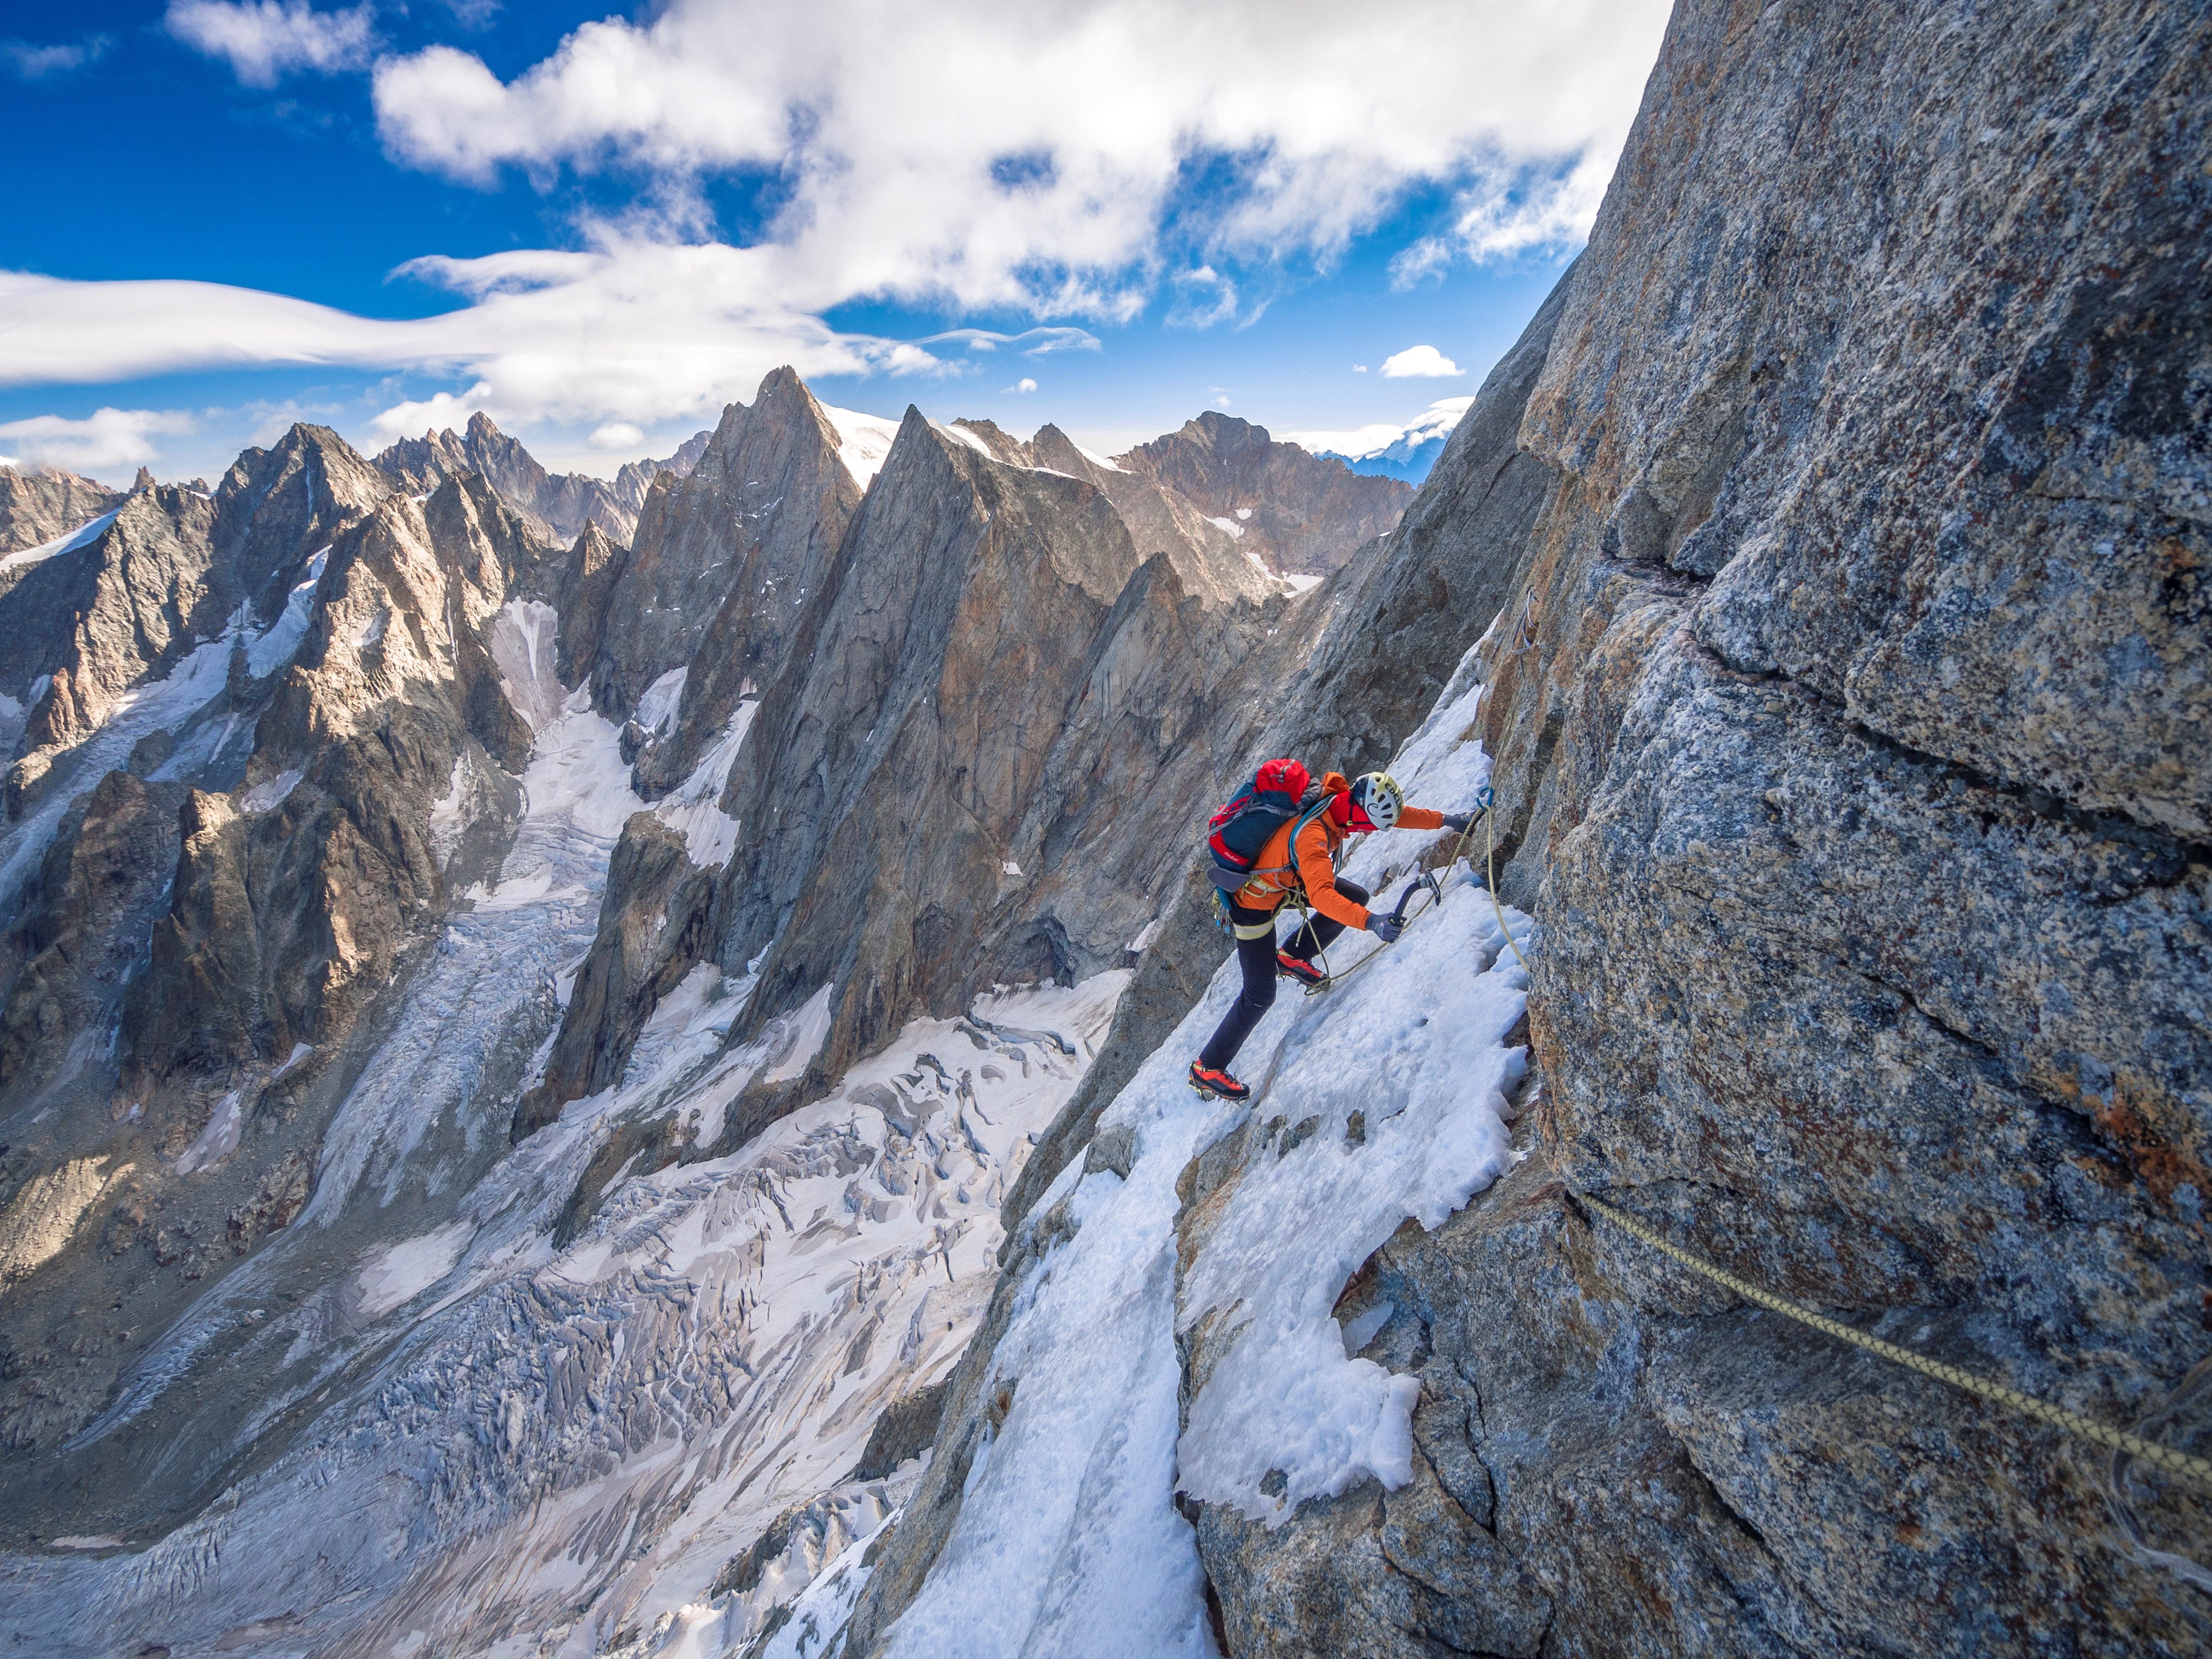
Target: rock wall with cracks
{"x":1838,"y":531}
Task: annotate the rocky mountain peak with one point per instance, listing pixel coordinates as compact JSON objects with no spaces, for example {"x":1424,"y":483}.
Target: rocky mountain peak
{"x":274,"y":508}
{"x":557,"y":506}
{"x":1298,"y":513}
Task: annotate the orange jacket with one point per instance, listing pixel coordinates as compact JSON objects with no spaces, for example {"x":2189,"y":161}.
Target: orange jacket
{"x":1314,"y":868}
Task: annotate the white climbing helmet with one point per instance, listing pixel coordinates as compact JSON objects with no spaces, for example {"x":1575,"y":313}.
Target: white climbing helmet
{"x":1377,"y":796}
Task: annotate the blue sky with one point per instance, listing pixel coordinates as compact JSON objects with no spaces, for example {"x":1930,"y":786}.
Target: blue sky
{"x":1109,"y":216}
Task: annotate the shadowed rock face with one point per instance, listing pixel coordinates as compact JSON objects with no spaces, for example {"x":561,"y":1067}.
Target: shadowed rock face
{"x":37,"y":505}
{"x":656,"y":922}
{"x":729,"y":551}
{"x":556,"y":507}
{"x":1208,"y":561}
{"x":1030,"y":838}
{"x":1848,"y":701}
{"x":1298,"y":512}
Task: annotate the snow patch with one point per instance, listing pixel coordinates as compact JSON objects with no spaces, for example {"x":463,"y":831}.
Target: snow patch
{"x":264,"y":796}
{"x":400,"y":1273}
{"x":82,"y":536}
{"x":656,"y":709}
{"x":961,"y":435}
{"x":799,"y":1038}
{"x":694,"y":808}
{"x":1236,"y":530}
{"x":1100,"y":461}
{"x":219,"y":1139}
{"x":523,"y":640}
{"x":274,"y":647}
{"x":863,"y":441}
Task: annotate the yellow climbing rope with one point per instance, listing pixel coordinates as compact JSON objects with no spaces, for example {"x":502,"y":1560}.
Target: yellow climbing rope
{"x":2150,"y":1451}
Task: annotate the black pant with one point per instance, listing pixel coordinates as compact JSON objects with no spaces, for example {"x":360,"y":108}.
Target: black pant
{"x":1256,"y":956}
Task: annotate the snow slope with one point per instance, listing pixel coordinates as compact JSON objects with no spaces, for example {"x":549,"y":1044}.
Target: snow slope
{"x":1067,"y":1540}
{"x":863,"y":441}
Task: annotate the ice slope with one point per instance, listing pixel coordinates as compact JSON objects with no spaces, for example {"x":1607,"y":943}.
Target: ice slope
{"x":1067,"y":1540}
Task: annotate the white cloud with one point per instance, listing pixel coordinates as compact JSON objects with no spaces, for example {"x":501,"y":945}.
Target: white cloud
{"x":984,"y":155}
{"x":1420,"y":362}
{"x":1033,"y":343}
{"x":1436,"y":421}
{"x":1500,"y":216}
{"x":1068,"y":164}
{"x":263,"y":40}
{"x":105,"y":442}
{"x":1359,"y":368}
{"x":616,"y":435}
{"x":1023,"y":385}
{"x":630,"y":332}
{"x":1203,"y":298}
{"x":28,"y":62}
{"x":446,"y":410}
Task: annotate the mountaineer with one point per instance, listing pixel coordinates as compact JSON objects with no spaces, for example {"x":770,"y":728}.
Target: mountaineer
{"x":1278,"y":841}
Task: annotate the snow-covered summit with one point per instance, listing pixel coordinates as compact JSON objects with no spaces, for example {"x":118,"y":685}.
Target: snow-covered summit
{"x":1407,"y":450}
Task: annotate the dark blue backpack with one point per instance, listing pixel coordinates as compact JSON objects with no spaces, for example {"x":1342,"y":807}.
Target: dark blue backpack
{"x":1239,"y":831}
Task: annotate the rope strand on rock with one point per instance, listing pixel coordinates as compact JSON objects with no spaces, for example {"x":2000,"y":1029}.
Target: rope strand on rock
{"x":2118,"y":1440}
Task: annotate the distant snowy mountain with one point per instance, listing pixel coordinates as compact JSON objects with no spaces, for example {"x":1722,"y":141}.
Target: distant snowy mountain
{"x":1406,"y":453}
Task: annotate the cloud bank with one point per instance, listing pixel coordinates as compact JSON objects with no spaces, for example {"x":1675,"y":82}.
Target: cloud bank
{"x":1420,"y":362}
{"x":103,"y":443}
{"x":1070,"y":164}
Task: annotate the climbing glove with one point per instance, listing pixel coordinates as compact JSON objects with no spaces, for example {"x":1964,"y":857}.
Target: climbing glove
{"x":1386,"y":928}
{"x":1457,"y":822}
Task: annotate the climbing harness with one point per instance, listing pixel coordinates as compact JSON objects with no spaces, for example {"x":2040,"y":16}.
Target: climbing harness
{"x":2121,"y":1443}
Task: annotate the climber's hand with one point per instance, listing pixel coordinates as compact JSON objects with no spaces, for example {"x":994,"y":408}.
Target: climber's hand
{"x":1457,"y":822}
{"x":1386,"y":928}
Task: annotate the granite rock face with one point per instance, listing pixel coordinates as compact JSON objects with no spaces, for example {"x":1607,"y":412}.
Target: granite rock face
{"x":1299,"y":512}
{"x":1207,"y":558}
{"x":91,"y":624}
{"x":276,"y":507}
{"x":729,"y":550}
{"x":1842,"y":694}
{"x":287,"y":914}
{"x":656,"y":922}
